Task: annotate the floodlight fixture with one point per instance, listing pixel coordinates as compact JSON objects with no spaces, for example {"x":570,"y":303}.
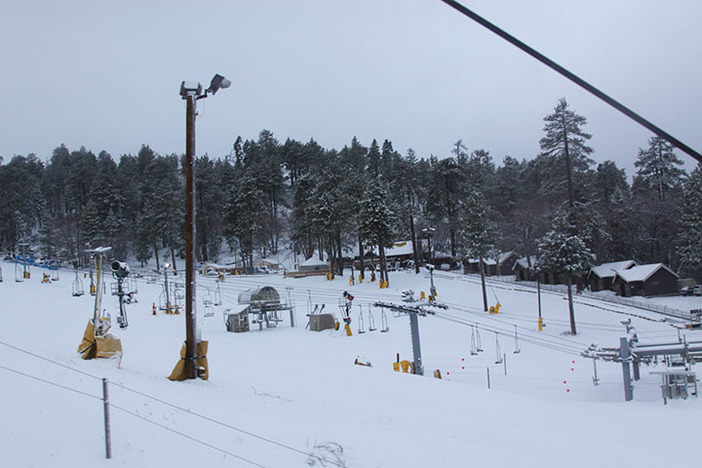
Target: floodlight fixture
{"x":190,"y":88}
{"x":218,"y":82}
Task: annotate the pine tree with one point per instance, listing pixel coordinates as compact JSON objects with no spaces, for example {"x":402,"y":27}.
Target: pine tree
{"x":564,"y":252}
{"x":477,"y":233}
{"x":564,"y":139}
{"x":690,"y":235}
{"x":657,"y":190}
{"x":377,"y":221}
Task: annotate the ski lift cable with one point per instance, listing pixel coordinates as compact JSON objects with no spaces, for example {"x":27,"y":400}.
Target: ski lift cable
{"x":574,"y":78}
{"x":503,"y":322}
{"x":539,"y":342}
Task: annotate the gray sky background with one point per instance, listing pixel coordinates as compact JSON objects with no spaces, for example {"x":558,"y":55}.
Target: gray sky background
{"x":106,"y":74}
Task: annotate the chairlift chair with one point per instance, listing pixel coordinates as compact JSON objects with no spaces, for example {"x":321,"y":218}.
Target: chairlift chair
{"x":361,"y":328}
{"x":384,"y":328}
{"x":77,"y":286}
{"x":371,"y":320}
{"x":498,"y":350}
{"x":217,"y":296}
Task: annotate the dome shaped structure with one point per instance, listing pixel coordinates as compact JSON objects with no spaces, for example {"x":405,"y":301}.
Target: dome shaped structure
{"x":263,"y":295}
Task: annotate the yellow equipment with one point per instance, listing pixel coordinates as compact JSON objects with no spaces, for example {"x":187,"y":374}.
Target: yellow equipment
{"x":97,"y":342}
{"x":348,"y":330}
{"x":201,"y":362}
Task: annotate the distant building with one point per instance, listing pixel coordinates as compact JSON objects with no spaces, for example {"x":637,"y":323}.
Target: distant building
{"x":313,"y":266}
{"x":646,"y":280}
{"x":503,"y":264}
{"x":524,"y":269}
{"x":601,"y":277}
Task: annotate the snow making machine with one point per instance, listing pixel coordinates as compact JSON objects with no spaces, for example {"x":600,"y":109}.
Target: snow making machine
{"x":97,"y":342}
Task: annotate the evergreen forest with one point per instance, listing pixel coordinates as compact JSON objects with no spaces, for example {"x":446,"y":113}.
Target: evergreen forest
{"x":270,"y":196}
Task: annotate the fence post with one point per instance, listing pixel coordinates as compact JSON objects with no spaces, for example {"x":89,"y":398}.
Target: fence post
{"x":106,"y":407}
{"x":488,"y":377}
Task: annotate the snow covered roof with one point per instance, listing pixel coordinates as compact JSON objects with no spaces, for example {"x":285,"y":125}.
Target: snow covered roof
{"x":491,"y":261}
{"x":524,"y":262}
{"x":641,"y":272}
{"x":608,"y":270}
{"x":314,"y":261}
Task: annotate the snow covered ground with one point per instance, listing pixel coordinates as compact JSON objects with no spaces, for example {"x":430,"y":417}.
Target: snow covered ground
{"x":286,"y":397}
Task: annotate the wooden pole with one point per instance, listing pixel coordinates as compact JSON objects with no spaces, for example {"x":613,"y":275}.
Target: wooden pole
{"x":190,"y":317}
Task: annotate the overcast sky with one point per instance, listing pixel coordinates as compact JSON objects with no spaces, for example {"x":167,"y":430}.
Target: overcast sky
{"x":106,"y":74}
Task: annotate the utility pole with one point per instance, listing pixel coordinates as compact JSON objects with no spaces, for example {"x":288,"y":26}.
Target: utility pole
{"x":190,"y":317}
{"x":191,"y":92}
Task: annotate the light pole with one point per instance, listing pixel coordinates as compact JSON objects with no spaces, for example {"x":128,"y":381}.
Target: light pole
{"x":191,"y":92}
{"x":166,"y":266}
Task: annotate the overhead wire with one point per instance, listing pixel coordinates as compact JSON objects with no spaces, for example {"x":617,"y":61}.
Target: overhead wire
{"x":223,"y":424}
{"x":182,"y":434}
{"x":50,"y":382}
{"x":574,"y":78}
{"x":207,"y":418}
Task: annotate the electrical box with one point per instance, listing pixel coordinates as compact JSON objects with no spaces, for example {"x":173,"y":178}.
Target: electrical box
{"x":319,"y":322}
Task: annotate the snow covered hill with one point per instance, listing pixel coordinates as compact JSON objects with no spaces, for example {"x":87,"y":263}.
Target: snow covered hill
{"x":286,"y":397}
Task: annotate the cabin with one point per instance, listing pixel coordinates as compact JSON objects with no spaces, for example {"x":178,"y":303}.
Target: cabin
{"x":503,"y":264}
{"x":654,"y":279}
{"x":313,"y":266}
{"x":522,"y":270}
{"x":601,"y":277}
{"x":267,"y":265}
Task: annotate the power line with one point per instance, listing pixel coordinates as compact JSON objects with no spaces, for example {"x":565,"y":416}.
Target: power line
{"x":228,"y":426}
{"x":243,"y":431}
{"x":574,"y":78}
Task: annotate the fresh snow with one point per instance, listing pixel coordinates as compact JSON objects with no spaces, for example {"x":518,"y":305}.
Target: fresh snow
{"x":608,"y":270}
{"x":284,"y":397}
{"x":641,"y":272}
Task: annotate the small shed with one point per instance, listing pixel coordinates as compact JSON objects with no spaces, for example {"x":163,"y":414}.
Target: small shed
{"x":601,"y":277}
{"x":237,"y":319}
{"x":646,"y":280}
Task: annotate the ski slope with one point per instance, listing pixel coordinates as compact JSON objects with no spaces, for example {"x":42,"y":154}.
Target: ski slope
{"x":286,"y":396}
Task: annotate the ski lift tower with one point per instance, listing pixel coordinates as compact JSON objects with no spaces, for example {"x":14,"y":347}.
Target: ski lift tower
{"x":413,"y":312}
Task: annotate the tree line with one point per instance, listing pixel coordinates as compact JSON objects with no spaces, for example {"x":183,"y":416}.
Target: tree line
{"x":267,"y":196}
